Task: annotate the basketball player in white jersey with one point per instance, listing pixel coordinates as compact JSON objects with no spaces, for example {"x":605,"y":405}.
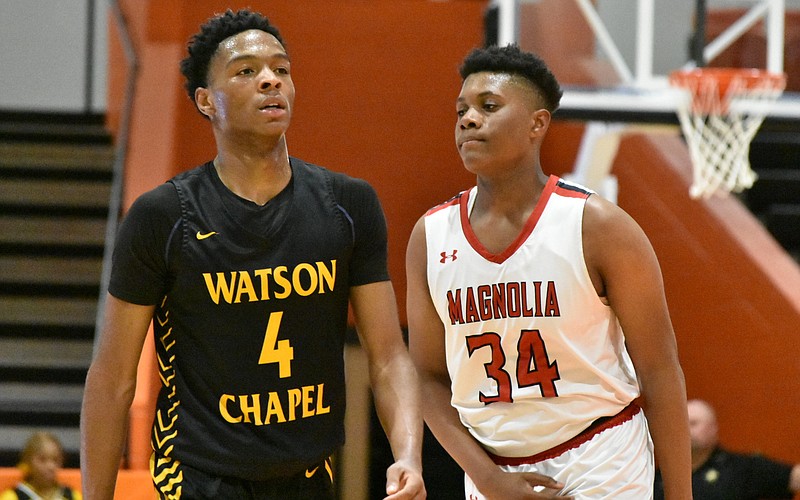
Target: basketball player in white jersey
{"x":537,"y":315}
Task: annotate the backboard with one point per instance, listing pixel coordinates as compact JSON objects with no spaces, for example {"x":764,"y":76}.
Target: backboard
{"x":656,"y":104}
{"x":642,"y":94}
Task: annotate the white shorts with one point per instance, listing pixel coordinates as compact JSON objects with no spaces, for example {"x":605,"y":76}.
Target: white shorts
{"x":615,"y":463}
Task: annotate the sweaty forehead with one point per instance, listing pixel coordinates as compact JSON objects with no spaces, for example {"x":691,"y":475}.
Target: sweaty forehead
{"x":250,"y":41}
{"x":500,"y":84}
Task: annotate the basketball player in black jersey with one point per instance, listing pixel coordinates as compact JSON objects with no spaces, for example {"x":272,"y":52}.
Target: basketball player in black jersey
{"x":246,"y":266}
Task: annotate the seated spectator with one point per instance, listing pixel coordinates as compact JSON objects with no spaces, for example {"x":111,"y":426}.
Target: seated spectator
{"x":41,"y":458}
{"x":718,"y":474}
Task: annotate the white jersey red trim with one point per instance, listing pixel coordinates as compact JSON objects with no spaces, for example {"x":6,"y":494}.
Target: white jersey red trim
{"x":534,"y":355}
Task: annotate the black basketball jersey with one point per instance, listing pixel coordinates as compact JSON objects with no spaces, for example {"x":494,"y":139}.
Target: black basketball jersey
{"x":250,"y":320}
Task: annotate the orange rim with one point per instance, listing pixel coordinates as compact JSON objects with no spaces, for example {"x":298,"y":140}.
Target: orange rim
{"x":751,"y":77}
{"x":701,"y":81}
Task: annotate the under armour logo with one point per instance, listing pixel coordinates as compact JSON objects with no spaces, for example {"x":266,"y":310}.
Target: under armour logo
{"x":445,"y":256}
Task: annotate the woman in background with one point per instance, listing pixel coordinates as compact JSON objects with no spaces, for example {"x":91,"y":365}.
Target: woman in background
{"x":39,"y":462}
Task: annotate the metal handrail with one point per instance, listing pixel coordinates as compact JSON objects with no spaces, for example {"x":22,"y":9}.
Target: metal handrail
{"x":118,"y":170}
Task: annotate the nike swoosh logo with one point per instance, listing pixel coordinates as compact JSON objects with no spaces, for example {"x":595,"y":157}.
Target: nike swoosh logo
{"x":202,"y":236}
{"x":311,"y":472}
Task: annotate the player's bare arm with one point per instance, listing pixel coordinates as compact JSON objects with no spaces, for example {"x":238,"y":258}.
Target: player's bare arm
{"x":110,"y":388}
{"x":626,"y":273}
{"x":426,"y":344}
{"x":395,"y":386}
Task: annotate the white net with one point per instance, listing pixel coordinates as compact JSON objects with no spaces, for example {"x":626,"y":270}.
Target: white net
{"x":719,"y":121}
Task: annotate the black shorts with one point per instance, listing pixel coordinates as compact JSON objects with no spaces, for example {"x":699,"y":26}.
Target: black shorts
{"x":192,"y":484}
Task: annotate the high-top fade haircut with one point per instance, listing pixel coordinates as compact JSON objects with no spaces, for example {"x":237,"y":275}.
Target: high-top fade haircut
{"x":513,"y":61}
{"x":203,"y":45}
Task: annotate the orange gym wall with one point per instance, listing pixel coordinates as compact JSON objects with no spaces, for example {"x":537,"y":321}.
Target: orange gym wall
{"x":376,"y":81}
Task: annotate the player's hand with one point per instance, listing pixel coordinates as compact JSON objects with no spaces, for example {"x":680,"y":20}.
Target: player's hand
{"x":404,"y":482}
{"x":522,"y":486}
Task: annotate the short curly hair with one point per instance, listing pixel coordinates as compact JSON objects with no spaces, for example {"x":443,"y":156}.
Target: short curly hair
{"x":203,"y":45}
{"x":512,"y":60}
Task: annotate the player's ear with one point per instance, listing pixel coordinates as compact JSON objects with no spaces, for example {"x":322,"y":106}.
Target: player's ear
{"x":204,"y":101}
{"x":540,"y":121}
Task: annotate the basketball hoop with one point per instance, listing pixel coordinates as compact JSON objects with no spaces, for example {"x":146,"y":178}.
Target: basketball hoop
{"x":725,"y":108}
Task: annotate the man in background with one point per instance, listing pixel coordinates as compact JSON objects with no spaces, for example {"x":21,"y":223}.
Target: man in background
{"x":718,"y":474}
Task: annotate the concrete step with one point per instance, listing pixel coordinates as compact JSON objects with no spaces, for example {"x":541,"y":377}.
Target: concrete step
{"x":53,"y":231}
{"x":47,"y":311}
{"x":20,"y":270}
{"x":37,"y":127}
{"x":48,"y":156}
{"x":58,"y":196}
{"x":40,"y":403}
{"x":52,"y":360}
{"x":13,"y":438}
{"x":45,"y":353}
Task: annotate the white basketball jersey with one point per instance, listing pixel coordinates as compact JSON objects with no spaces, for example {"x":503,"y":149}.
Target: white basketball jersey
{"x":534,"y":355}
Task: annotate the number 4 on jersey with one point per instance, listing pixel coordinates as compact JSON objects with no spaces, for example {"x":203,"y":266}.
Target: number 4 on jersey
{"x":533,"y":365}
{"x":541,"y":372}
{"x":274,"y":350}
